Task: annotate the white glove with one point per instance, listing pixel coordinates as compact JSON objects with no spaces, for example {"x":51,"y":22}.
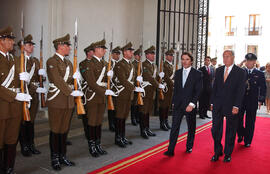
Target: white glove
{"x":109,"y":92}
{"x":139,"y":79}
{"x":25,"y":77}
{"x":41,"y":90}
{"x":139,"y":89}
{"x":77,"y":75}
{"x":23,"y":97}
{"x":42,"y":72}
{"x":161,"y":74}
{"x":77,"y":93}
{"x":161,"y":86}
{"x":110,"y":73}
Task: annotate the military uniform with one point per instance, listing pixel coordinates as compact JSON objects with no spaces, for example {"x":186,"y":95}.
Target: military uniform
{"x":124,"y":71}
{"x":83,"y":66}
{"x":112,"y":113}
{"x":60,"y":103}
{"x":149,"y":78}
{"x":165,"y":104}
{"x":134,"y":110}
{"x":10,"y":108}
{"x":255,"y":92}
{"x":26,"y":137}
{"x":95,"y":76}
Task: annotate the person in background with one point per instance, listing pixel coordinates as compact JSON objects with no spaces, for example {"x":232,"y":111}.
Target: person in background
{"x":267,"y":78}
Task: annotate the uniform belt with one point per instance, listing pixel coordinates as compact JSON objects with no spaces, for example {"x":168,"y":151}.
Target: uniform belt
{"x":17,"y":90}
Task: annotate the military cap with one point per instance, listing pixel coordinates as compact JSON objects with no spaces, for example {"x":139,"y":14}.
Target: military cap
{"x":62,"y":40}
{"x":100,"y":44}
{"x":116,"y":50}
{"x":27,"y":39}
{"x":214,"y":59}
{"x":152,"y":49}
{"x":89,"y":48}
{"x":127,"y":47}
{"x":7,"y":33}
{"x":170,"y":52}
{"x":251,"y":56}
{"x":138,"y":51}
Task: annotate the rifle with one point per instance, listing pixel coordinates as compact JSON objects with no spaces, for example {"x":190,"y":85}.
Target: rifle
{"x":161,"y":95}
{"x":26,"y":113}
{"x":139,"y":99}
{"x":42,"y":95}
{"x":78,"y":100}
{"x":110,"y":101}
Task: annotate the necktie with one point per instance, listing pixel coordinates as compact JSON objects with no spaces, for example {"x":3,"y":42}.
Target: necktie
{"x":249,"y":71}
{"x":208,"y":69}
{"x":226,"y":73}
{"x":184,"y":77}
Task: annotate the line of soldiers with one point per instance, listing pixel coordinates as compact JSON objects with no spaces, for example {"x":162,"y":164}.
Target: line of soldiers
{"x":93,"y":73}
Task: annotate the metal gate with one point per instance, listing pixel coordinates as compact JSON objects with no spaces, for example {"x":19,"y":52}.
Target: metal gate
{"x":183,"y":24}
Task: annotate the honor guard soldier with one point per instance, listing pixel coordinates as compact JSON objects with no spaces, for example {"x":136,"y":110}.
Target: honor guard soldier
{"x":134,"y":111}
{"x":95,"y":76}
{"x":124,"y":72}
{"x":254,"y":97}
{"x":26,"y":136}
{"x":111,"y":113}
{"x":60,"y":100}
{"x":10,"y":101}
{"x":165,"y":104}
{"x":150,"y":85}
{"x":89,"y":52}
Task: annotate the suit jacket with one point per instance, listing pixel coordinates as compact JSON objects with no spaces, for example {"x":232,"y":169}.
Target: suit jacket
{"x":148,"y":73}
{"x":91,"y":73}
{"x":190,"y":93}
{"x":229,"y":94}
{"x":207,"y":78}
{"x":255,"y":89}
{"x":56,"y":70}
{"x":122,"y":72}
{"x":9,"y":107}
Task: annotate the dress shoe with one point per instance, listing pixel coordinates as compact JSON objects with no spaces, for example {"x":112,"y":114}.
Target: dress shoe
{"x":188,"y":150}
{"x":126,"y":141}
{"x":92,"y":148}
{"x":206,"y":116}
{"x":55,"y":162}
{"x":63,"y":160}
{"x":247,"y":145}
{"x":168,"y":153}
{"x":201,"y":117}
{"x":68,"y":143}
{"x":33,"y":149}
{"x":216,"y":156}
{"x":100,"y":150}
{"x":25,"y":150}
{"x":150,"y":133}
{"x":240,"y":139}
{"x":227,"y":158}
{"x":163,"y":126}
{"x":144,"y":134}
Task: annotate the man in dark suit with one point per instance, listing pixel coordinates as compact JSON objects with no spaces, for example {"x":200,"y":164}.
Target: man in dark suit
{"x":187,"y":88}
{"x":254,"y":97}
{"x":226,"y":99}
{"x":204,"y":100}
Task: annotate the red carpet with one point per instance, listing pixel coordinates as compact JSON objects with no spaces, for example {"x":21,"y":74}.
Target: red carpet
{"x":255,"y":159}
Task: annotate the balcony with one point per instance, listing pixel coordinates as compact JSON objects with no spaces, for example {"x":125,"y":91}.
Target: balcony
{"x":232,"y":32}
{"x":253,"y":31}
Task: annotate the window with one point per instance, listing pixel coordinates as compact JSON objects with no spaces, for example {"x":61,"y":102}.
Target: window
{"x":230,"y":27}
{"x":254,"y":24}
{"x":252,"y":49}
{"x":228,"y":47}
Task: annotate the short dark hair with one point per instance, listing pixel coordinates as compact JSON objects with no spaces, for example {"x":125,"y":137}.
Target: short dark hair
{"x":207,"y":57}
{"x":187,"y":54}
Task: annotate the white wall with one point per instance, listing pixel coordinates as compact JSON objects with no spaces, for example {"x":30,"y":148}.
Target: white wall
{"x":129,"y":19}
{"x":241,"y":9}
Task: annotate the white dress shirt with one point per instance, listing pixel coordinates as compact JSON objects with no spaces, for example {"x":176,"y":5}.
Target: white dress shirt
{"x":187,"y":73}
{"x":59,"y":55}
